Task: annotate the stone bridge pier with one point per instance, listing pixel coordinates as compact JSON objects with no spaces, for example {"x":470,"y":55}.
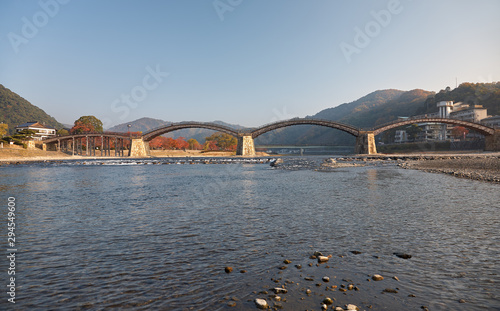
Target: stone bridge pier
{"x":492,"y":142}
{"x":365,"y":143}
{"x":245,"y":146}
{"x":139,"y":148}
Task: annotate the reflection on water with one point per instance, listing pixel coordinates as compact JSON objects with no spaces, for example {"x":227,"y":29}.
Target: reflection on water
{"x":158,"y":236}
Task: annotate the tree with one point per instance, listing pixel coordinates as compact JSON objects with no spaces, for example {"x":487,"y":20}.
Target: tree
{"x":62,"y":132}
{"x":413,"y":131}
{"x":87,"y":124}
{"x":194,"y":144}
{"x":168,"y":143}
{"x":210,"y":145}
{"x":459,"y":132}
{"x":82,"y":128}
{"x":4,"y":128}
{"x":223,"y":141}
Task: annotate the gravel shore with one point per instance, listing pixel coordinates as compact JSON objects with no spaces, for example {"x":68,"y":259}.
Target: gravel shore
{"x":483,"y":168}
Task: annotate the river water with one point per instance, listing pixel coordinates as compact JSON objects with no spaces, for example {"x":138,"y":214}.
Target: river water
{"x":157,"y":235}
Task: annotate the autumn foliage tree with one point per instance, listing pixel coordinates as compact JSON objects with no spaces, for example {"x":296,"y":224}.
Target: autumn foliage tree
{"x":87,"y":124}
{"x":194,"y":144}
{"x":459,"y":132}
{"x":168,"y":143}
{"x":4,"y":129}
{"x":220,"y":141}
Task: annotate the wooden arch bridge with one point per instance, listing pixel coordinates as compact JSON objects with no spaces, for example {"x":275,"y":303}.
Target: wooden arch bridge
{"x":139,"y":146}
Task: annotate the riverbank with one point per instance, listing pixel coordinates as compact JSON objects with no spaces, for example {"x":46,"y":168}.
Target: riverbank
{"x":197,"y":153}
{"x":477,"y":168}
{"x":20,"y":155}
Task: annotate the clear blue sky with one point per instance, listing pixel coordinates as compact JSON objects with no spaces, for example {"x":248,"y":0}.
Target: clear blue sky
{"x":247,"y":62}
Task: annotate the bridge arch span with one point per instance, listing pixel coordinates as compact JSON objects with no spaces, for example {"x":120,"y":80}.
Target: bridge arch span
{"x":179,"y":126}
{"x":280,"y":124}
{"x":483,"y":129}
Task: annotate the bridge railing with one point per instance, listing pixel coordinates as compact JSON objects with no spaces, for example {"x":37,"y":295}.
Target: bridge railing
{"x":190,"y":122}
{"x":433,"y":119}
{"x":125,"y":134}
{"x":305,"y":119}
{"x":399,"y":121}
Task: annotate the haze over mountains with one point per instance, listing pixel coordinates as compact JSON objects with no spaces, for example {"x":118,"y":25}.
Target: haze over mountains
{"x":371,"y":110}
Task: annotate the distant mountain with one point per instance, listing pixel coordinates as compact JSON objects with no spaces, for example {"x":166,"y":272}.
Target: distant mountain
{"x":147,"y":124}
{"x":15,"y":110}
{"x":139,"y":125}
{"x":373,"y":109}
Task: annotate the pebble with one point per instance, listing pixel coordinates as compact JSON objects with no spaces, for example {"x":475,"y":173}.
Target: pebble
{"x":228,"y":269}
{"x":286,"y":261}
{"x":402,"y":255}
{"x":261,"y":303}
{"x":377,"y":277}
{"x":308,"y":291}
{"x":298,"y":266}
{"x":328,"y":301}
{"x":396,"y":278}
{"x":323,"y":259}
{"x":462,"y":301}
{"x":390,"y":290}
{"x":326,"y":279}
{"x":351,"y":307}
{"x":279,"y":290}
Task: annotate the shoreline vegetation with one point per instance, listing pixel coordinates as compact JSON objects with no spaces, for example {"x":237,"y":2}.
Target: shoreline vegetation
{"x":483,"y":166}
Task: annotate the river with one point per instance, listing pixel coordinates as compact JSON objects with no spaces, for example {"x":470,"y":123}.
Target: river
{"x":157,"y":235}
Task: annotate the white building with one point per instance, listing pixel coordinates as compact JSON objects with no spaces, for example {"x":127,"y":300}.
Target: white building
{"x":434,"y":132}
{"x":41,"y":130}
{"x":471,"y":113}
{"x":445,"y":108}
{"x":401,"y":136}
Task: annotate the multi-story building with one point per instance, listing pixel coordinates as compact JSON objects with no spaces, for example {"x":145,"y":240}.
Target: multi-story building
{"x":41,"y":131}
{"x":400,"y":137}
{"x":492,"y":121}
{"x":471,"y":113}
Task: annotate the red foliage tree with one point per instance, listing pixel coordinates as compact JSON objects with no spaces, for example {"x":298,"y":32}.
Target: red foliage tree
{"x":82,"y":128}
{"x":459,"y":132}
{"x":168,"y":143}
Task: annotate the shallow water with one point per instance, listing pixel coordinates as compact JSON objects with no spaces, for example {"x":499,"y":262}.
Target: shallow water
{"x":141,"y":235}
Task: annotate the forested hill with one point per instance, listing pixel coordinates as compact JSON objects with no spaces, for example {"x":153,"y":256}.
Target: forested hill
{"x":373,"y":109}
{"x":15,"y":110}
{"x":485,"y":94}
